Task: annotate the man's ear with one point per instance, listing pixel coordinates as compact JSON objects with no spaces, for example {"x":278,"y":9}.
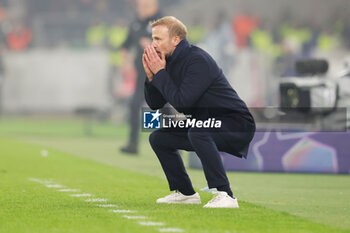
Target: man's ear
{"x":176,"y":40}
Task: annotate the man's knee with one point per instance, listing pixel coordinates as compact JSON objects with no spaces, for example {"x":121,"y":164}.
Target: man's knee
{"x":155,"y":138}
{"x":195,"y":134}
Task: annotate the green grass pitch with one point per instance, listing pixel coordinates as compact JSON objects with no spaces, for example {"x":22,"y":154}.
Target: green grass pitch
{"x":58,"y":152}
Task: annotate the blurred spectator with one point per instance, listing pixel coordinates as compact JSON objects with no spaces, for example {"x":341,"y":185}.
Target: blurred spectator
{"x":2,"y":48}
{"x":116,"y":37}
{"x":220,"y":42}
{"x":139,"y":37}
{"x":96,"y":34}
{"x":327,"y":41}
{"x":2,"y":13}
{"x":346,"y":33}
{"x":296,"y":43}
{"x":262,"y":40}
{"x":2,"y":76}
{"x":243,"y":26}
{"x":197,"y":31}
{"x":19,"y":38}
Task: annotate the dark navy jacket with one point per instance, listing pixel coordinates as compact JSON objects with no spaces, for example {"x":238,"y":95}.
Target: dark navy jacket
{"x":194,"y":84}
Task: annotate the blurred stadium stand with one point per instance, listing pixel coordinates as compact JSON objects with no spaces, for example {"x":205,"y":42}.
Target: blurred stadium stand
{"x":56,"y":57}
{"x":60,"y":64}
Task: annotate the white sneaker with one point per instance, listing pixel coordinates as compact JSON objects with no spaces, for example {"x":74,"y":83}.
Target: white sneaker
{"x":222,"y":200}
{"x":178,"y":198}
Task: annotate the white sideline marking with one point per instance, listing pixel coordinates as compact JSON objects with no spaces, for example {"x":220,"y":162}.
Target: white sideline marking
{"x":41,"y":181}
{"x":124,"y":211}
{"x":44,"y":153}
{"x":50,"y":184}
{"x":97,"y":200}
{"x":134,"y":217}
{"x":170,"y":230}
{"x":81,"y":195}
{"x":68,"y":190}
{"x":54,"y":186}
{"x":152,"y":223}
{"x":107,"y":205}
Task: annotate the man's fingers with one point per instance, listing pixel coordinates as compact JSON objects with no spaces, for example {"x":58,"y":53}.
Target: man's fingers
{"x":148,"y":71}
{"x":144,"y":56}
{"x":145,"y":63}
{"x":147,"y":58}
{"x":150,"y":53}
{"x":144,"y":60}
{"x":154,"y":61}
{"x":154,"y":52}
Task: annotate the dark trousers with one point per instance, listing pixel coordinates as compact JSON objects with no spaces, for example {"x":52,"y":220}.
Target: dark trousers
{"x":206,"y":144}
{"x":136,"y":104}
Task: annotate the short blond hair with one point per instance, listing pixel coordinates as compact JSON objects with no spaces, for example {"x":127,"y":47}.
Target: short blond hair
{"x":175,"y":26}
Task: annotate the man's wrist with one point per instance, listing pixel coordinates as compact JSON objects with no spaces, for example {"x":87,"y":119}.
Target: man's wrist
{"x":158,"y":72}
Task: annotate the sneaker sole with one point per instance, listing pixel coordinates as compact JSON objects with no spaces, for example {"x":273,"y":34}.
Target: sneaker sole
{"x":231,"y":207}
{"x":189,"y":201}
{"x":234,"y":205}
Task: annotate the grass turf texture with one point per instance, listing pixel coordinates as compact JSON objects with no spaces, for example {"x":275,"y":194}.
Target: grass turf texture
{"x":271,"y":202}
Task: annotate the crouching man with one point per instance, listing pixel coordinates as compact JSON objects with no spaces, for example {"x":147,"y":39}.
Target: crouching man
{"x":189,"y":79}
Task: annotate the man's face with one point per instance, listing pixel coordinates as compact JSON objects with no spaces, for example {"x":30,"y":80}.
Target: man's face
{"x":146,"y":8}
{"x":162,"y":42}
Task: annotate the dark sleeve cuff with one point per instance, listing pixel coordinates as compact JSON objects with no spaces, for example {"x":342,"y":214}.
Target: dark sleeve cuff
{"x":147,"y":82}
{"x":157,"y":79}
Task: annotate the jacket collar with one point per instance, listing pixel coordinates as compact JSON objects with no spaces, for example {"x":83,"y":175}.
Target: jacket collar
{"x":180,"y":51}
